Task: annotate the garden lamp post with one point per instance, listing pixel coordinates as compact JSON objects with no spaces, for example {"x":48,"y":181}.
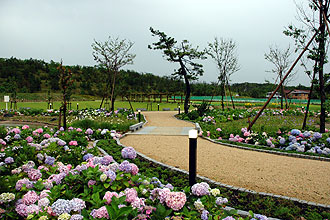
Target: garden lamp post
{"x":179,"y":109}
{"x":77,"y":105}
{"x":158,"y":107}
{"x":192,"y":156}
{"x":139,"y":113}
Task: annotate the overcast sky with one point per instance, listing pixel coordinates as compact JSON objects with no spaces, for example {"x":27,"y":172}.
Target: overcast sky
{"x":65,"y":29}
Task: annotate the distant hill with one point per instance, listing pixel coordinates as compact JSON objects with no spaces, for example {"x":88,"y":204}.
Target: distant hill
{"x":37,"y":76}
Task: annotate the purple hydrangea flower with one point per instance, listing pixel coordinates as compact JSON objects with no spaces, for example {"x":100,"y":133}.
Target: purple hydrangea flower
{"x":221,"y":200}
{"x":89,"y":131}
{"x":77,"y":217}
{"x":20,"y":183}
{"x":106,"y":160}
{"x":87,"y":156}
{"x":200,"y":189}
{"x":306,"y":134}
{"x":128,"y":153}
{"x":125,"y":166}
{"x":61,"y":142}
{"x":328,"y":140}
{"x":17,"y":136}
{"x":9,"y":160}
{"x":205,"y":215}
{"x":317,"y":135}
{"x":49,"y":160}
{"x":260,"y":217}
{"x":111,"y":175}
{"x":282,"y":141}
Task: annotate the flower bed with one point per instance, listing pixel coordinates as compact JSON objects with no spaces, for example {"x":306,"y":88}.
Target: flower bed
{"x":275,"y":136}
{"x":270,"y":206}
{"x":56,"y":174}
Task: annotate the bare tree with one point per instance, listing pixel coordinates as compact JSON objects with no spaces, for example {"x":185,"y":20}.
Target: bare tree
{"x":224,"y":53}
{"x":112,"y":55}
{"x":282,"y":62}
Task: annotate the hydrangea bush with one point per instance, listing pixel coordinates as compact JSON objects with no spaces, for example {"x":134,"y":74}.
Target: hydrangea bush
{"x":287,"y":139}
{"x":39,"y":181}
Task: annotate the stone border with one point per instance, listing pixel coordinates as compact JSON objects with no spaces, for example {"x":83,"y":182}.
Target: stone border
{"x":303,"y":202}
{"x":303,"y":156}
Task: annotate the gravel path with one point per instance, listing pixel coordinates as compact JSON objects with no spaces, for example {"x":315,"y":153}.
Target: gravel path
{"x":294,"y":177}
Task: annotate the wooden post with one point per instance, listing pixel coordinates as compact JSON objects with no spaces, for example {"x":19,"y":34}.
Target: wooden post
{"x":284,"y":78}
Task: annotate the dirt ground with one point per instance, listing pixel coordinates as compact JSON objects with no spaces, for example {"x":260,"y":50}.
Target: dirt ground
{"x":295,"y":177}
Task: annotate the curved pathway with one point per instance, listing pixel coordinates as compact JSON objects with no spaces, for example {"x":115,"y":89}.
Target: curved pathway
{"x":288,"y":176}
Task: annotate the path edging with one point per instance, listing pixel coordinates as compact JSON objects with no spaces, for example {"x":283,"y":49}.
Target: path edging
{"x":303,"y":156}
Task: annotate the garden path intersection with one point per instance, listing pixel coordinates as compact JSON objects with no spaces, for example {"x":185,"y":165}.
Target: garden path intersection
{"x":300,"y":178}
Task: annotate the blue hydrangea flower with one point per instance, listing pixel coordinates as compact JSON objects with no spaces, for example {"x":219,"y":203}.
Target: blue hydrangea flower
{"x":205,"y":215}
{"x":282,"y":141}
{"x":306,"y":134}
{"x":50,"y":160}
{"x":328,"y":140}
{"x":317,"y":135}
{"x":61,"y":206}
{"x":295,"y":132}
{"x":87,"y":156}
{"x":292,"y":138}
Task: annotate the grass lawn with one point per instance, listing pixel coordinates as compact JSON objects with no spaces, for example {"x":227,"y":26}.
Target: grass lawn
{"x":96,"y":104}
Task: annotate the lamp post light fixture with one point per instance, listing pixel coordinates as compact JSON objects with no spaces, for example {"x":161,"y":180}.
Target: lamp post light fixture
{"x":193,"y":134}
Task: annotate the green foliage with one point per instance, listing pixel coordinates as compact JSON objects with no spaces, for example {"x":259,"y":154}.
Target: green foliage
{"x":202,"y":108}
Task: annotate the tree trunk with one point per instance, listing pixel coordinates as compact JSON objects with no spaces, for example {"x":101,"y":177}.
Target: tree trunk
{"x":113,"y":103}
{"x":113,"y":91}
{"x":322,"y":58}
{"x":102,"y":100}
{"x":188,"y":90}
{"x":231,"y":97}
{"x":309,"y":97}
{"x":222,"y":95}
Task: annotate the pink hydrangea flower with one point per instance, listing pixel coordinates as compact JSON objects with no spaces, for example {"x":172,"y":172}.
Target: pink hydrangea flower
{"x":247,"y":134}
{"x":130,"y":193}
{"x":39,"y":130}
{"x":108,"y":195}
{"x":73,"y":143}
{"x":218,"y":129}
{"x":30,"y":197}
{"x":34,"y":174}
{"x":79,"y":129}
{"x":25,"y":127}
{"x":29,"y":139}
{"x":135,"y":169}
{"x":100,"y":213}
{"x":16,"y":130}
{"x":47,"y":136}
{"x":176,"y":200}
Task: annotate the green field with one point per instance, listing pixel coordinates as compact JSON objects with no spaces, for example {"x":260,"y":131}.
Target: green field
{"x":95,"y":104}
